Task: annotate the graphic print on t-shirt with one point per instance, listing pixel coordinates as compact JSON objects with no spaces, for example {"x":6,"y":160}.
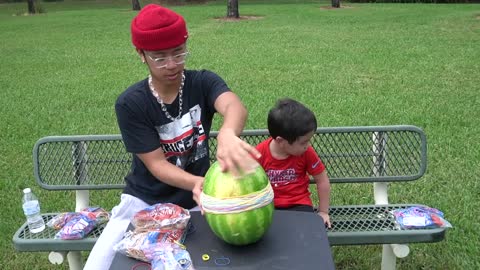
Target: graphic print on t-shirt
{"x":183,"y":141}
{"x":282,"y":177}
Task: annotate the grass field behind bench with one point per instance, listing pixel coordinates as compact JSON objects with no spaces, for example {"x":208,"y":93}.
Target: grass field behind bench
{"x":365,"y":64}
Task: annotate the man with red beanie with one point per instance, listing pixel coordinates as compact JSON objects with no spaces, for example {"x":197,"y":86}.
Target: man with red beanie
{"x":165,"y":121}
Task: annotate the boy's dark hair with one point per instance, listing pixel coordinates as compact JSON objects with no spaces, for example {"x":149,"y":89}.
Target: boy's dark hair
{"x":290,"y":120}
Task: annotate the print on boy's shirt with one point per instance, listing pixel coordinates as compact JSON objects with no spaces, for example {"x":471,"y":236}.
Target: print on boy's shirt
{"x":281,"y":177}
{"x":182,"y":137}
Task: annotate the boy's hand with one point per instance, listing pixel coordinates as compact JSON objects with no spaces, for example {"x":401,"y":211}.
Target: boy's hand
{"x":235,"y":155}
{"x":326,"y":219}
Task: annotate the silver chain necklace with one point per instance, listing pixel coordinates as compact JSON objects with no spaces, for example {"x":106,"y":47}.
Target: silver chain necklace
{"x":160,"y":101}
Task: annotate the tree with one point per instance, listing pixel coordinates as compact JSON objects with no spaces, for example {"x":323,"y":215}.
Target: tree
{"x":232,"y":9}
{"x":31,"y":7}
{"x":336,"y":3}
{"x":135,"y":5}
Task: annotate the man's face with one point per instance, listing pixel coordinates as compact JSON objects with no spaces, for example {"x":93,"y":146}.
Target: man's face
{"x":166,"y":65}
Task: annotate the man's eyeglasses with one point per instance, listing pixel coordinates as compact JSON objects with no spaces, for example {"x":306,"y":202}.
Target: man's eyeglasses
{"x":161,"y":62}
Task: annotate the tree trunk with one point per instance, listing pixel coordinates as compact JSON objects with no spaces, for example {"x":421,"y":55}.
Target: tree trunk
{"x":136,"y":5}
{"x":232,"y":9}
{"x":336,"y":3}
{"x":31,"y":6}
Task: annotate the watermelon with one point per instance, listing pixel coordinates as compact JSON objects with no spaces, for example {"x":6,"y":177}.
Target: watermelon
{"x":243,"y":226}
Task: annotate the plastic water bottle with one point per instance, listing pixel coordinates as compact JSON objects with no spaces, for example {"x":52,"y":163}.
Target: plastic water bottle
{"x":31,"y":209}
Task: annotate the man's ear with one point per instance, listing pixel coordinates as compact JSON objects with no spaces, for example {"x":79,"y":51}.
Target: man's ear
{"x":141,"y":54}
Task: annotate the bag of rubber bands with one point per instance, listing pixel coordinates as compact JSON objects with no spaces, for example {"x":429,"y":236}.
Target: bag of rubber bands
{"x":134,"y":243}
{"x":161,"y":217}
{"x":158,"y":237}
{"x":77,"y":225}
{"x":420,"y":217}
{"x":169,"y":257}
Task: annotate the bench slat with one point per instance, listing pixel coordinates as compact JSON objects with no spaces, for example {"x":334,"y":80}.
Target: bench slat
{"x":374,"y":224}
{"x":352,"y":225}
{"x":351,"y":154}
{"x":23,"y":240}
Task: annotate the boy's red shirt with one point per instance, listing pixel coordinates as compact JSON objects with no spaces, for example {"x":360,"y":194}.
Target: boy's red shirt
{"x":290,"y":177}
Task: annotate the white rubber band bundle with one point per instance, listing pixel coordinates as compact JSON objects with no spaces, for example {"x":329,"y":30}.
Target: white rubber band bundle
{"x":237,"y":204}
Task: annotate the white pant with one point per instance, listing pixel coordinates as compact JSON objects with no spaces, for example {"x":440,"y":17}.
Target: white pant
{"x":102,"y":254}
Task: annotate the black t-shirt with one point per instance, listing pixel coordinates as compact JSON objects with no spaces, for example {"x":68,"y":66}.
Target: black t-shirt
{"x":145,"y":128}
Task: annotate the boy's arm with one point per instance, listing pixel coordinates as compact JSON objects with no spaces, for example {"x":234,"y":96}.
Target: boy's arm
{"x":158,"y":165}
{"x":233,"y":154}
{"x":323,"y":190}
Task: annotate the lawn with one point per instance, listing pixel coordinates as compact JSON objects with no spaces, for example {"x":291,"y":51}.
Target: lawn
{"x":364,"y":64}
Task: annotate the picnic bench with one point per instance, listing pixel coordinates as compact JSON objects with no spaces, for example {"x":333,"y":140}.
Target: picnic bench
{"x":372,"y":154}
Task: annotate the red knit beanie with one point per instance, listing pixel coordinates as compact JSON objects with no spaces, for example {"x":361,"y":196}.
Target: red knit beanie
{"x":157,"y":28}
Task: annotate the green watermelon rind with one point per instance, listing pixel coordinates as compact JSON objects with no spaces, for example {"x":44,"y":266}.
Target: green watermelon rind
{"x":238,"y":228}
{"x":241,"y":228}
{"x":248,"y":184}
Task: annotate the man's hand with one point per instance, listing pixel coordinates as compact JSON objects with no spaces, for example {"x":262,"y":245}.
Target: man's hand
{"x":197,"y":191}
{"x":235,"y":155}
{"x":326,"y":219}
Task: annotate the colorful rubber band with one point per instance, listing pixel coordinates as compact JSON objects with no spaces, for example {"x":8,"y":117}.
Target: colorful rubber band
{"x":222,"y":261}
{"x":237,"y":204}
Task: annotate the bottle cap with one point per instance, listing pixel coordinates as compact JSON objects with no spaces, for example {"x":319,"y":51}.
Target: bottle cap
{"x":27,"y":190}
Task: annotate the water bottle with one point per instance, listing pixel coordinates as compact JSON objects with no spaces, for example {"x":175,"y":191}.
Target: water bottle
{"x":31,"y":209}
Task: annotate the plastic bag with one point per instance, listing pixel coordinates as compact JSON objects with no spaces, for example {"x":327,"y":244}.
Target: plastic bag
{"x":60,"y":220}
{"x":57,"y":222}
{"x":169,"y":257}
{"x":135,"y":243}
{"x":77,"y":225}
{"x":160,"y":231}
{"x":101,"y":216}
{"x":161,"y":217}
{"x":420,"y":217}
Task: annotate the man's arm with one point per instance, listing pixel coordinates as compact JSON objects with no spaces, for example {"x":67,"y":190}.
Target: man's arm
{"x":170,"y":174}
{"x":323,"y":191}
{"x":233,"y":154}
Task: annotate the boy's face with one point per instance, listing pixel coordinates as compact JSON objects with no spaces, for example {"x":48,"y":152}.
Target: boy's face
{"x":299,"y":146}
{"x":166,"y":65}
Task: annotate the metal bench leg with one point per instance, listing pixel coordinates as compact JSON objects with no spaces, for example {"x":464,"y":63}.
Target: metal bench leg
{"x":389,"y":261}
{"x":390,"y":253}
{"x":82,"y":199}
{"x":75,"y":260}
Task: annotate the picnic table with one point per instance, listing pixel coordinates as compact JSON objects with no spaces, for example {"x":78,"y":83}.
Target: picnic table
{"x":295,"y":240}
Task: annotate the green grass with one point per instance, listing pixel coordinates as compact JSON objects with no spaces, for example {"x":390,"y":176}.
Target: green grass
{"x":366,"y":64}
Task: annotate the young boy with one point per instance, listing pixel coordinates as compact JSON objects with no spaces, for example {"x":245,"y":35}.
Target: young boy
{"x":288,"y":158}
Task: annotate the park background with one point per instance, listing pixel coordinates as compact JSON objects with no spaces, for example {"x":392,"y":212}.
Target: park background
{"x":359,"y":65}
